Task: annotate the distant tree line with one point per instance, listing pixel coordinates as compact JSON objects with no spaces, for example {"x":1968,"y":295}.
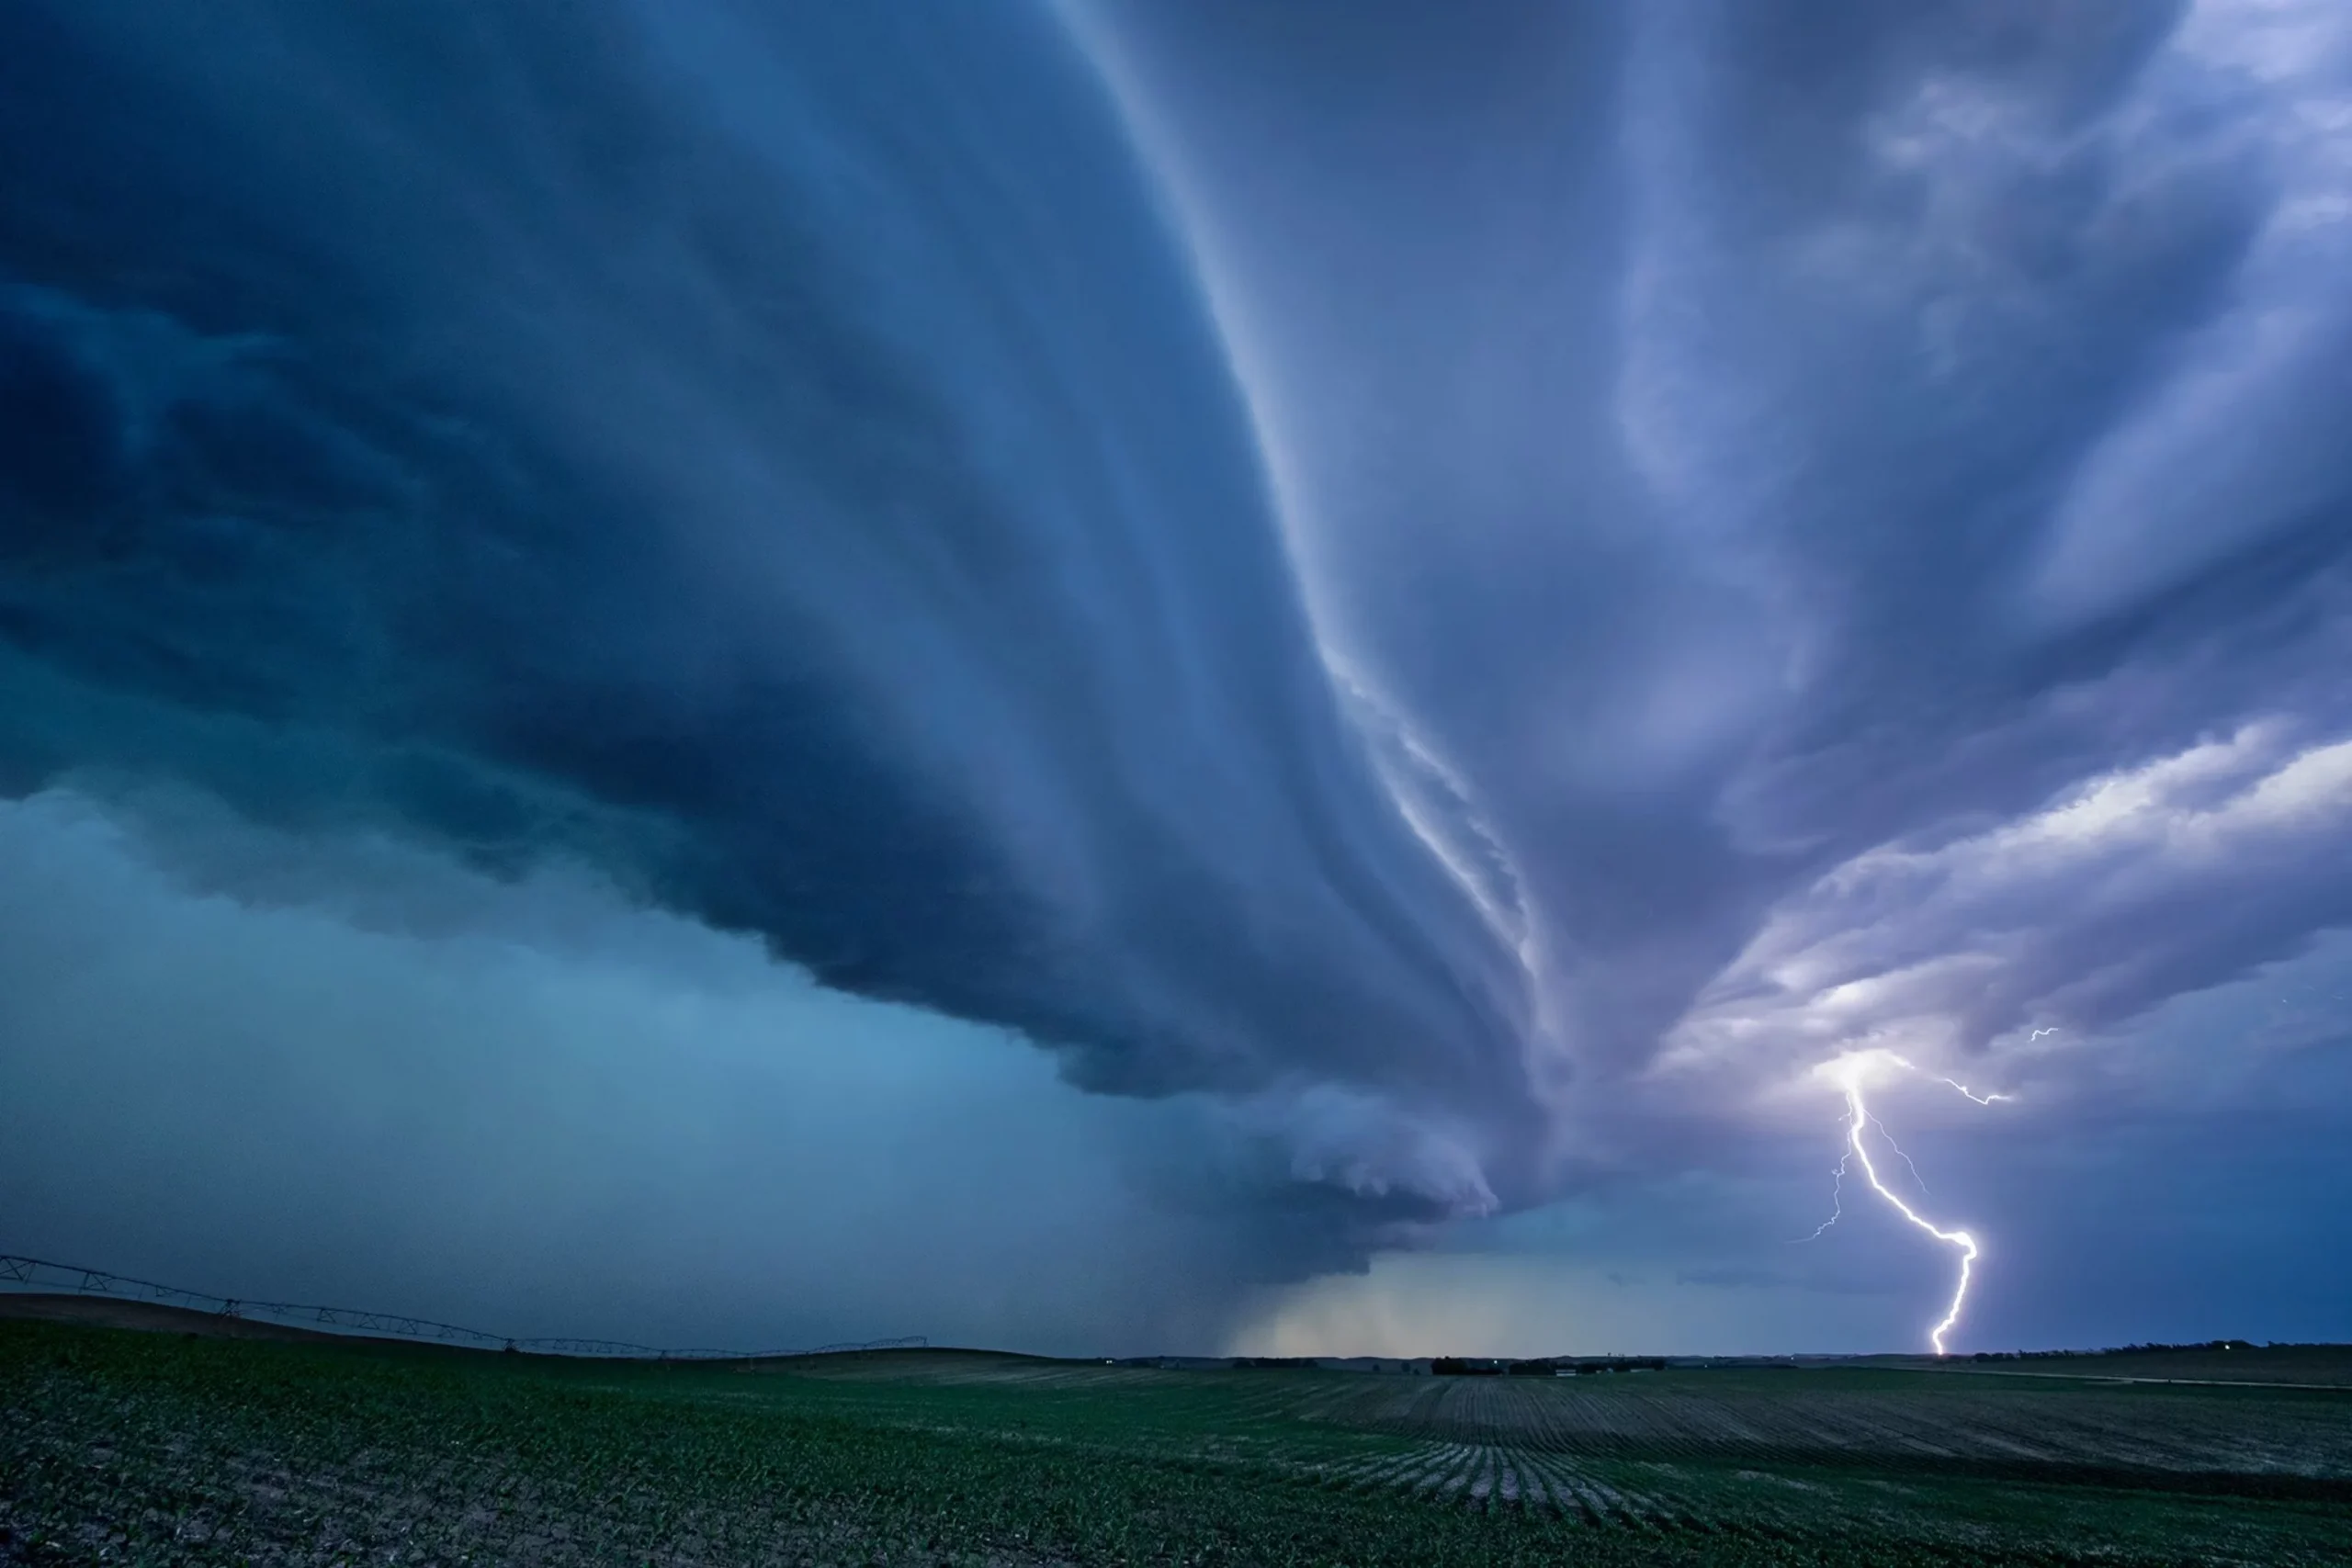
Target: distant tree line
{"x":1542,"y":1367}
{"x":2110,"y":1350}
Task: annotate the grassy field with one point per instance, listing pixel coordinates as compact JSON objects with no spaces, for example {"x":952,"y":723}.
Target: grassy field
{"x":118,"y":1445}
{"x":2307,"y":1365}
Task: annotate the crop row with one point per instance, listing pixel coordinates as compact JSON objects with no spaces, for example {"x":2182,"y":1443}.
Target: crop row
{"x":1704,"y":1415}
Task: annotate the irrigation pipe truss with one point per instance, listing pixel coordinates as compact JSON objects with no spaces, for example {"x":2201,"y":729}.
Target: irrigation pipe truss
{"x":21,"y":1275}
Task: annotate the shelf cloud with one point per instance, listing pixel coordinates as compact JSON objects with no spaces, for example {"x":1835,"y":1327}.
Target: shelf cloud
{"x":1436,"y":602}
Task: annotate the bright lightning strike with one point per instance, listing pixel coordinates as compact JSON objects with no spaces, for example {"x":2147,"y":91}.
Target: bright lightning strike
{"x":1979,"y":1099}
{"x":1848,"y":1072}
{"x":1837,"y":1197}
{"x":1898,"y":1148}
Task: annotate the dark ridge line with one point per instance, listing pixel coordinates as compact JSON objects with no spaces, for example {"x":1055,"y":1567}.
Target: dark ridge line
{"x":354,"y":1323}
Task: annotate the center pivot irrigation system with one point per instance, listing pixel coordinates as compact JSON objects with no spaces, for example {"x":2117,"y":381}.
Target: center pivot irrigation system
{"x":26,"y":1274}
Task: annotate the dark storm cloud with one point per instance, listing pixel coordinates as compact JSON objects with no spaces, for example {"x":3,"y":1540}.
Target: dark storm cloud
{"x":1787,"y":438}
{"x":777,"y":455}
{"x":1484,"y":585}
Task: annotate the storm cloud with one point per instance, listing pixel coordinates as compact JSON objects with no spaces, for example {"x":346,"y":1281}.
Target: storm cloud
{"x":779,"y":458}
{"x":1787,"y":438}
{"x":1437,"y":602}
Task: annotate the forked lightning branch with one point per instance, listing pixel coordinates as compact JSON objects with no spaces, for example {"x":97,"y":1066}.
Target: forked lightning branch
{"x":1851,"y":1074}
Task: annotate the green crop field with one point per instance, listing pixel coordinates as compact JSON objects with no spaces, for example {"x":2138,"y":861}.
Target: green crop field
{"x":125,"y":1447}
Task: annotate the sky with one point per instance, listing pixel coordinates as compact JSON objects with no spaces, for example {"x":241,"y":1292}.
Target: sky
{"x":1108,"y":676}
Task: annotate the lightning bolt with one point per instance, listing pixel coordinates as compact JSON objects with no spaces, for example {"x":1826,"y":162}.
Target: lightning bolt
{"x":1837,"y":1199}
{"x":2040,"y":1033}
{"x":1979,"y":1099}
{"x":1848,"y":1073}
{"x":1898,"y":1148}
